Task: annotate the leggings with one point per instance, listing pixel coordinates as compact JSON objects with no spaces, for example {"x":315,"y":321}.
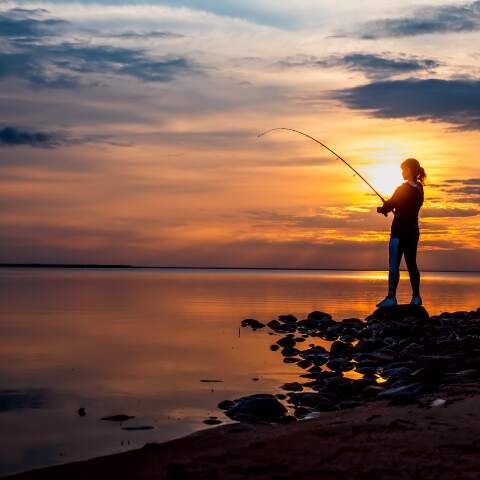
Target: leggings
{"x":408,"y":248}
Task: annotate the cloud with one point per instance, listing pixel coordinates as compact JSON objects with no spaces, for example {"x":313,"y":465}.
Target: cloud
{"x":63,"y":65}
{"x":466,"y":190}
{"x":449,"y":212}
{"x":12,"y":137}
{"x":426,"y":20}
{"x":373,"y":66}
{"x":468,"y":181}
{"x":20,"y":23}
{"x":451,"y":101}
{"x":147,"y":34}
{"x":60,"y":66}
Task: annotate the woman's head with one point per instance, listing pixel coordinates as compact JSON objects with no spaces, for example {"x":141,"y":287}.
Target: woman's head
{"x":411,"y":170}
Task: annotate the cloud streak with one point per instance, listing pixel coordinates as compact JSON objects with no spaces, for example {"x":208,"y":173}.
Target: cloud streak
{"x":426,"y":20}
{"x":372,"y":65}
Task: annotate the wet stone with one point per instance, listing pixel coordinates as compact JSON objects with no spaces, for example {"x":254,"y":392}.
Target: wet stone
{"x":340,"y":365}
{"x":252,"y":323}
{"x":264,"y":407}
{"x":118,"y":418}
{"x":287,"y":341}
{"x":287,"y":318}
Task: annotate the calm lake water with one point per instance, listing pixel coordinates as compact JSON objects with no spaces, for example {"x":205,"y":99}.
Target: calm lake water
{"x":139,"y":342}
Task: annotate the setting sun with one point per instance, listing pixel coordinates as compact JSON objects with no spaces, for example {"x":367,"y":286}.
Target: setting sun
{"x":385,"y":177}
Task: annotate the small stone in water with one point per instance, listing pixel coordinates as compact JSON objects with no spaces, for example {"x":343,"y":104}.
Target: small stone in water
{"x":118,"y":418}
{"x":81,"y":412}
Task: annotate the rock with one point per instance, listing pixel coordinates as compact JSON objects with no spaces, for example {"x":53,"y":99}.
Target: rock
{"x":372,"y":391}
{"x":291,"y":360}
{"x":403,"y":394}
{"x":290,"y":352}
{"x":140,"y":428}
{"x":225,"y":404}
{"x":292,"y":387}
{"x":396,"y":372}
{"x":263,"y":407}
{"x":273,"y":324}
{"x":438,"y":402}
{"x":317,"y":315}
{"x":287,"y":318}
{"x":400,"y":312}
{"x":212,"y":421}
{"x":287,"y":341}
{"x":338,"y":347}
{"x":118,"y":418}
{"x":302,"y":412}
{"x":304,"y":364}
{"x":307,"y":399}
{"x":251,"y":322}
{"x":81,"y":412}
{"x":340,"y":365}
{"x":461,"y":377}
{"x":274,"y":348}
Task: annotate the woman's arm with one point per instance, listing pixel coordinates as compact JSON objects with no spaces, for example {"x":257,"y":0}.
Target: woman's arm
{"x":389,"y":205}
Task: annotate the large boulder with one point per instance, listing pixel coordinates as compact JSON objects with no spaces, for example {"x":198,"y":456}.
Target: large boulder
{"x":259,"y":407}
{"x":399,"y":312}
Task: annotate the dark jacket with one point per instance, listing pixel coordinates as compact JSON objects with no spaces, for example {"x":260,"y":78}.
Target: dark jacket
{"x":405,"y":204}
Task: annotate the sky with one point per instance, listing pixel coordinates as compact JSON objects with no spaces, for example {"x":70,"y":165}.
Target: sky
{"x":128,"y":131}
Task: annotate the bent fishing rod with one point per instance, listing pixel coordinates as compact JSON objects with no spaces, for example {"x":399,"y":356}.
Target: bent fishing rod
{"x":330,"y":150}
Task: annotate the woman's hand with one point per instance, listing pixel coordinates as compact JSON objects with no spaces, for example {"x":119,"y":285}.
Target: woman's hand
{"x":381,"y":210}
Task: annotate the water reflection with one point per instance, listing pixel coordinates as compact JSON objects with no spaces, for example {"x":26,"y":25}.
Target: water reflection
{"x":139,"y":342}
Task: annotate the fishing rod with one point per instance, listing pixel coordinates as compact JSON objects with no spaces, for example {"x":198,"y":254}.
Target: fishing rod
{"x":330,"y":150}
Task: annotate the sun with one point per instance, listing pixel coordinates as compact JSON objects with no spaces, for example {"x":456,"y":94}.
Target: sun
{"x":384,"y":177}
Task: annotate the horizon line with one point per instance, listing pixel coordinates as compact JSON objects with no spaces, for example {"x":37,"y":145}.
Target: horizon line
{"x":127,"y":266}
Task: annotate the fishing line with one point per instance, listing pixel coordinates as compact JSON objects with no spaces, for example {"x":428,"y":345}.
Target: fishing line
{"x":330,"y":150}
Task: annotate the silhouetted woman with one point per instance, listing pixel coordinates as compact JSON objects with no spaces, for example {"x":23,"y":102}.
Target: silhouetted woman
{"x":405,"y":204}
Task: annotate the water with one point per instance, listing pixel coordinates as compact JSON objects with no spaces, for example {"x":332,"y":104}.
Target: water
{"x":139,"y":342}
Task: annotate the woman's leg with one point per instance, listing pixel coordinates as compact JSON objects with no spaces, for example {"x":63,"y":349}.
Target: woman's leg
{"x":395,"y":256}
{"x":411,"y":261}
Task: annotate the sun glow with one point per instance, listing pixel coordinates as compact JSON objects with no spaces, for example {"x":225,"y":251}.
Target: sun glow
{"x":384,"y":177}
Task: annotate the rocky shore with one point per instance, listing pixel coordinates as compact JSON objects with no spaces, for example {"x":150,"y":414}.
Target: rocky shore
{"x":395,"y":395}
{"x":397,"y":354}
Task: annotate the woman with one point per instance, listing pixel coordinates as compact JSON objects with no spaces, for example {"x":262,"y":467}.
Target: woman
{"x":405,"y":204}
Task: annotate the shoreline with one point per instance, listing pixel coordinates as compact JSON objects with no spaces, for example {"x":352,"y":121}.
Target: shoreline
{"x":420,"y":387}
{"x":374,"y":441}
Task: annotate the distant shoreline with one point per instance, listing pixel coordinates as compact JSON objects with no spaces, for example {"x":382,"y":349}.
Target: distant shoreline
{"x":143,"y":267}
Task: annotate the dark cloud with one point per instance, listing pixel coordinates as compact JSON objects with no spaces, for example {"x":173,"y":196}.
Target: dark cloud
{"x":464,"y":190}
{"x":19,"y":22}
{"x":373,"y":66}
{"x":451,"y":101}
{"x":449,"y":212}
{"x":61,"y":66}
{"x":12,"y":137}
{"x":64,"y":65}
{"x":435,"y":19}
{"x":467,"y":181}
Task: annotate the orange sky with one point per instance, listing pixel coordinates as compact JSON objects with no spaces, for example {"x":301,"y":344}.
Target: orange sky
{"x":148,"y":118}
